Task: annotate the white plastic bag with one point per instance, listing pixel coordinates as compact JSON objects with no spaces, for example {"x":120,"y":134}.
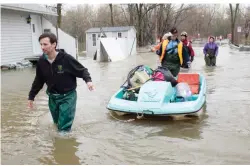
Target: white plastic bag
{"x":183,"y":91}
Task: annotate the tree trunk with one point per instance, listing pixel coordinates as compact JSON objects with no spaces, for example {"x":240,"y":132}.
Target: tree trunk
{"x":111,"y":14}
{"x":156,"y":25}
{"x":139,"y":23}
{"x":160,"y":14}
{"x":233,"y":20}
{"x":130,"y":9}
{"x":247,"y":29}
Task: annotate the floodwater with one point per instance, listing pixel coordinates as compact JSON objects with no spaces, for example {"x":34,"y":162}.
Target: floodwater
{"x":220,"y":136}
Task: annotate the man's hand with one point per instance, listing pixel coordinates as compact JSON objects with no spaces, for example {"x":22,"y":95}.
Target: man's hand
{"x":30,"y":103}
{"x":152,"y":49}
{"x":90,"y":86}
{"x":207,"y":55}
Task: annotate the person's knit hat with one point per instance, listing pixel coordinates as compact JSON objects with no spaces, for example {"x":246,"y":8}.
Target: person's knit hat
{"x":184,"y":33}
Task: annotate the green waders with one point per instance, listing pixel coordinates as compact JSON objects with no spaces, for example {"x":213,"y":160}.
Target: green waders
{"x":172,"y":62}
{"x":62,"y":108}
{"x":211,"y":59}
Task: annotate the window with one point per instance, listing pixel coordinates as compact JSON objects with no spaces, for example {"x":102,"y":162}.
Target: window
{"x":46,"y":30}
{"x":119,"y":34}
{"x":94,"y":39}
{"x":33,"y":27}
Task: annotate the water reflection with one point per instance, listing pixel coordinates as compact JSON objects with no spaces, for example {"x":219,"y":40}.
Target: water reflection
{"x":64,"y":152}
{"x":183,"y":128}
{"x":211,"y":90}
{"x":189,"y":128}
{"x":209,"y":70}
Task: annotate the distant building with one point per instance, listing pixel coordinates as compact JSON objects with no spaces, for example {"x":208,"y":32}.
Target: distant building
{"x":128,"y":33}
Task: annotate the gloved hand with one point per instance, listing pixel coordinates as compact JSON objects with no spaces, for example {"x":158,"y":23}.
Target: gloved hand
{"x":192,"y":58}
{"x":207,"y":55}
{"x":171,"y":52}
{"x":158,"y":52}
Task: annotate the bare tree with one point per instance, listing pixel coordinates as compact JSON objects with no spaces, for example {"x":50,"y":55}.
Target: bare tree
{"x":111,"y":14}
{"x":150,"y":20}
{"x":247,"y":30}
{"x":125,"y":15}
{"x":220,"y":23}
{"x":245,"y":15}
{"x":131,"y":14}
{"x":142,"y":10}
{"x":75,"y":22}
{"x":234,"y":14}
{"x":211,"y":13}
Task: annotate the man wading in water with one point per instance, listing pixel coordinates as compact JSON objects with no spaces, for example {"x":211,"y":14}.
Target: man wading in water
{"x":59,"y":71}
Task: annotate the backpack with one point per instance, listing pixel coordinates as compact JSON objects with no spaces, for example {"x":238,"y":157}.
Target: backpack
{"x":137,"y":76}
{"x":163,"y":74}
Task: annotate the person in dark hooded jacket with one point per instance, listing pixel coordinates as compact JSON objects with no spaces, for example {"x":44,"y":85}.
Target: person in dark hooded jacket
{"x":59,"y":71}
{"x":187,"y":45}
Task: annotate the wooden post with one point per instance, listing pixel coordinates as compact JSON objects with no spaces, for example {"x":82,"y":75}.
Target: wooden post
{"x":59,"y":13}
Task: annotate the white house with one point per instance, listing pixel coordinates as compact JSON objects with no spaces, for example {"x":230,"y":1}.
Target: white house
{"x":21,"y":26}
{"x":112,"y":41}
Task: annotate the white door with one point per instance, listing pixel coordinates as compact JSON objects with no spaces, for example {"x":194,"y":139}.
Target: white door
{"x":36,"y":30}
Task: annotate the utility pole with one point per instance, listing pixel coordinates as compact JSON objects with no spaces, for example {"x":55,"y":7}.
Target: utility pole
{"x":59,"y":13}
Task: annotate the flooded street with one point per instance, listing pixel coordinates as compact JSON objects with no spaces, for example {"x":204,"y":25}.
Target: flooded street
{"x":220,"y":136}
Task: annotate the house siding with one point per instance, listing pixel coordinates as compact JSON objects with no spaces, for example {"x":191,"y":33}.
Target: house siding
{"x":16,"y":36}
{"x":18,"y":40}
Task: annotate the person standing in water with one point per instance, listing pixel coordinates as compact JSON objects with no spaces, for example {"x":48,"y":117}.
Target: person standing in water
{"x":188,"y":49}
{"x":59,"y":71}
{"x":210,"y":51}
{"x":170,"y":53}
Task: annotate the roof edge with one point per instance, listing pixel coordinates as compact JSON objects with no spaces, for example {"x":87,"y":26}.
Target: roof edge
{"x":26,"y":10}
{"x":88,"y":30}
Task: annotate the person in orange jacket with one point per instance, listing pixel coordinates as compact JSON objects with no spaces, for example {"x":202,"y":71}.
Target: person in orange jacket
{"x":158,"y":46}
